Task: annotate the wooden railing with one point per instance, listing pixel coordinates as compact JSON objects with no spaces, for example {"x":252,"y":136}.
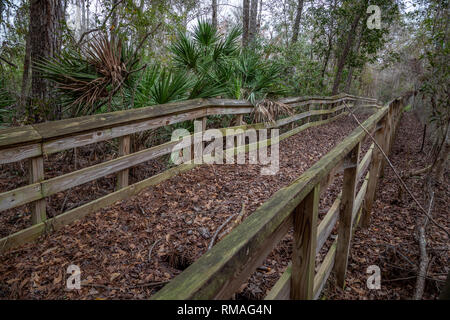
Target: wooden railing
{"x":34,"y":142}
{"x":220,"y":272}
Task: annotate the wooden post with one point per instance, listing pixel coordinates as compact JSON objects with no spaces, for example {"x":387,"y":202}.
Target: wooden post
{"x":240,"y":120}
{"x":387,"y":137}
{"x":38,"y":207}
{"x":124,"y":149}
{"x":304,"y":248}
{"x":345,"y":214}
{"x":199,"y":146}
{"x":204,"y":119}
{"x":374,"y":171}
{"x":204,"y":122}
{"x":308,"y":119}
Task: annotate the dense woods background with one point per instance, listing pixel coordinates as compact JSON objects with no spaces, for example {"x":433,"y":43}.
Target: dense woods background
{"x":69,"y":58}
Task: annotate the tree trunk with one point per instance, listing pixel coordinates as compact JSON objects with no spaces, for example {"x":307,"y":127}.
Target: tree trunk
{"x":87,"y":14}
{"x":253,"y":15}
{"x":83,"y":16}
{"x":343,"y":57}
{"x":245,"y":22}
{"x":214,"y":13}
{"x":45,"y":39}
{"x":114,"y":20}
{"x":350,"y":72}
{"x":441,"y":162}
{"x":327,"y":58}
{"x":26,"y":74}
{"x":258,"y":25}
{"x":298,"y":17}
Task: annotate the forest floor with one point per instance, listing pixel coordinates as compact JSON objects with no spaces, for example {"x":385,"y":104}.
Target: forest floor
{"x":126,"y":249}
{"x":391,"y":240}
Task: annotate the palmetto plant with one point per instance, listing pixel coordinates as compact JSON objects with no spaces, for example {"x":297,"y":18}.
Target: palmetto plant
{"x":204,"y":64}
{"x":204,"y":54}
{"x":219,"y":67}
{"x":89,"y":76}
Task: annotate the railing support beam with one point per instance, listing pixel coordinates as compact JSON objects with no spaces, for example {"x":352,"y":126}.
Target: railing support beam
{"x":124,"y":149}
{"x":374,"y":173}
{"x":38,"y":207}
{"x":304,"y":248}
{"x":345,"y":214}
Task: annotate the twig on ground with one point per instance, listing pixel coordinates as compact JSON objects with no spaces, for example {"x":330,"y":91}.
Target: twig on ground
{"x":412,"y":277}
{"x":143,"y":285}
{"x":142,"y":210}
{"x":417,"y":172}
{"x":422,"y":272}
{"x":151,"y":249}
{"x":223,"y":225}
{"x":396,"y":250}
{"x":396,"y":173}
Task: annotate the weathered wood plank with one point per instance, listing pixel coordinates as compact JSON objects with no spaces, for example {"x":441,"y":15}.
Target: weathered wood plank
{"x":20,"y":153}
{"x":17,"y":136}
{"x":331,"y":176}
{"x":345,"y":213}
{"x":124,"y":149}
{"x":86,"y":138}
{"x":304,"y":246}
{"x":374,"y":171}
{"x":54,"y":129}
{"x":282,"y":288}
{"x":365,"y":162}
{"x":36,"y":175}
{"x":359,"y":198}
{"x":324,"y":271}
{"x":386,"y":138}
{"x":76,"y":178}
{"x":20,"y":196}
{"x":327,"y":224}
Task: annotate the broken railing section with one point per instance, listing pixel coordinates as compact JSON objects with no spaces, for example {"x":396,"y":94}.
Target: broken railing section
{"x":220,"y":272}
{"x":33,"y":142}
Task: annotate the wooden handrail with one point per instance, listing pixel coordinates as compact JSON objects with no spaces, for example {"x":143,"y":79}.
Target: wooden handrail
{"x":221,"y":271}
{"x":53,"y":130}
{"x":35,"y":141}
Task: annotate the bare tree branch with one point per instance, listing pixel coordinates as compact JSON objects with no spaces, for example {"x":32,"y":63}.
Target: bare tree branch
{"x":103,"y":24}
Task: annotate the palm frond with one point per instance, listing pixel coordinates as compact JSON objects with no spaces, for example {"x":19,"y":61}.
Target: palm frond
{"x":185,"y":52}
{"x":170,"y":86}
{"x":269,"y":111}
{"x":87,"y":76}
{"x":205,"y":34}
